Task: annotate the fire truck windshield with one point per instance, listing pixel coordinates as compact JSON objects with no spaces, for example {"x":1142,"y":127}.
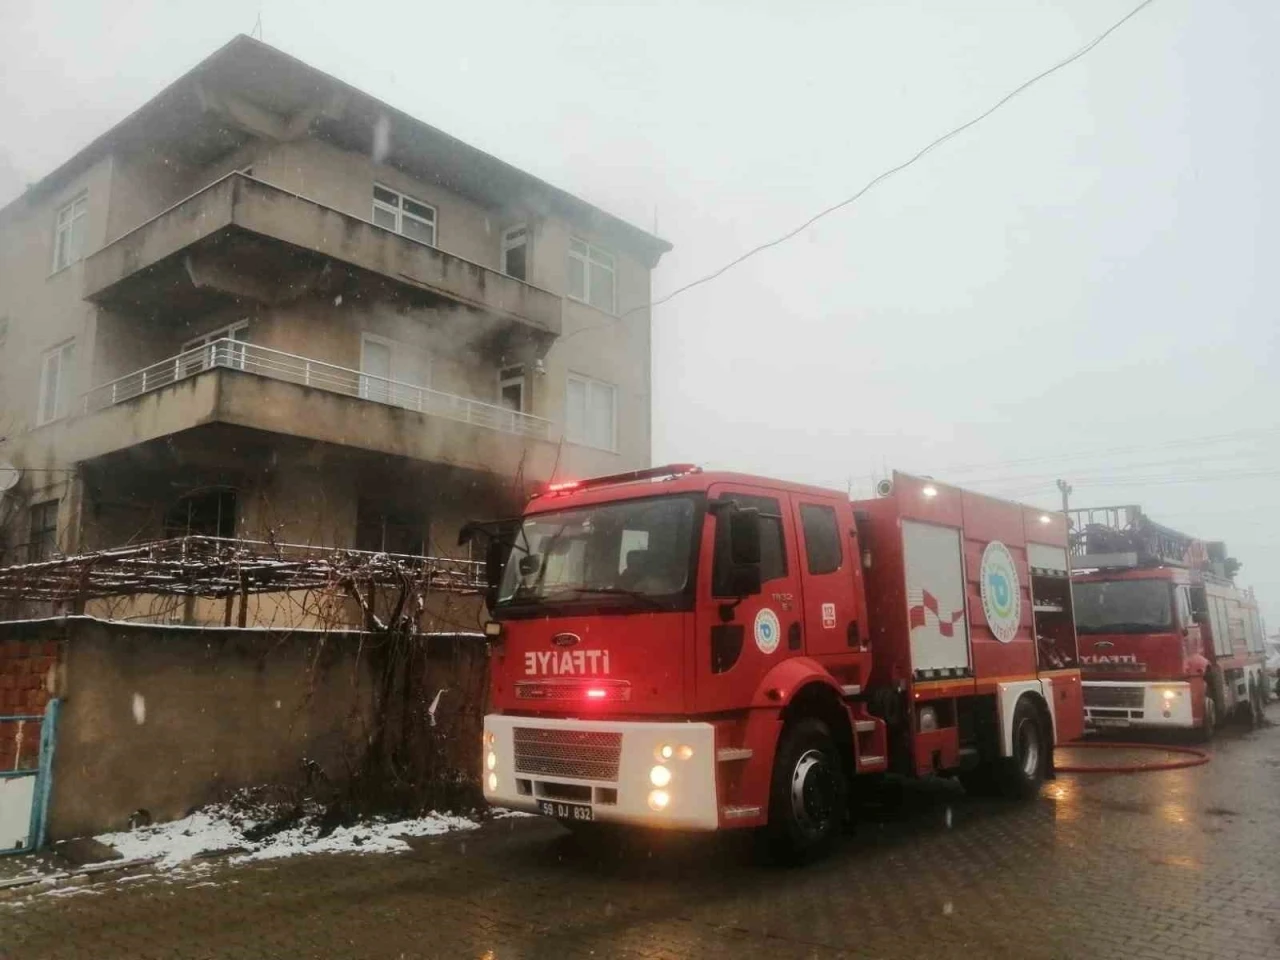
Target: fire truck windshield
{"x":616,"y":553}
{"x":1123,"y":606}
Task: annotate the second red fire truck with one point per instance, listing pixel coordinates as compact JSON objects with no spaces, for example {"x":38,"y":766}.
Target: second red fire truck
{"x":685,"y":649}
{"x":1166,"y":637}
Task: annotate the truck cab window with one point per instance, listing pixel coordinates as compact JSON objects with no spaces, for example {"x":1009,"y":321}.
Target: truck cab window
{"x":773,"y":544}
{"x":821,"y":538}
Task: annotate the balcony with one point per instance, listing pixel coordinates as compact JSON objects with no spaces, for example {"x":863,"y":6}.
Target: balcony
{"x":245,"y":239}
{"x":238,"y":383}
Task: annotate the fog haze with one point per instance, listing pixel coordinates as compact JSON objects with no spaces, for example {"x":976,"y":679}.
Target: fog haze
{"x":1080,"y":287}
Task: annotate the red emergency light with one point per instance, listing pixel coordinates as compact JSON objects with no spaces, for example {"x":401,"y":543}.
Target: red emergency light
{"x":667,"y":472}
{"x":574,"y":688}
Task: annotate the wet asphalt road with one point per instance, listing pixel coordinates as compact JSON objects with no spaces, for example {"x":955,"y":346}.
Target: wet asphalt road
{"x":1167,"y":866}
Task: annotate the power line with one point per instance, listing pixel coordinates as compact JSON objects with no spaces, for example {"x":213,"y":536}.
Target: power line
{"x":1183,"y":442}
{"x":880,"y":178}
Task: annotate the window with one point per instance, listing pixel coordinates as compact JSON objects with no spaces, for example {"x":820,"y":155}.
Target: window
{"x":375,"y":360}
{"x":1184,"y":606}
{"x":55,"y":383}
{"x":515,"y":252}
{"x":1123,"y":606}
{"x":821,"y":538}
{"x":511,"y":388}
{"x":208,"y":513}
{"x":194,"y":359}
{"x":4,"y":331}
{"x":591,"y":413}
{"x":773,"y":549}
{"x":383,"y":529}
{"x":606,"y":553}
{"x":591,"y":275}
{"x":404,"y":215}
{"x":42,"y":538}
{"x":68,"y":233}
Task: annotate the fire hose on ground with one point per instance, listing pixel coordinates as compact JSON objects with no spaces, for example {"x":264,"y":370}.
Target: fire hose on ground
{"x":1191,"y":757}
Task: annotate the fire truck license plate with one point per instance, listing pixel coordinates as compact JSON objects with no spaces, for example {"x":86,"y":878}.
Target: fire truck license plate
{"x":565,"y":811}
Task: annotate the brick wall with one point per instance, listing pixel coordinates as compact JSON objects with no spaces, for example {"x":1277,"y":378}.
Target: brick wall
{"x":28,"y":677}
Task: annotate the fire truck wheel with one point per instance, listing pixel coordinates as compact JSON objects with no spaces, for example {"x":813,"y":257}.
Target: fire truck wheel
{"x":1210,"y":724}
{"x":808,"y":798}
{"x":1022,"y":774}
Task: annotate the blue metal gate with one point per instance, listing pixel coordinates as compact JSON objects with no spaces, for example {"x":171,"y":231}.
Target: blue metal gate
{"x":24,"y":789}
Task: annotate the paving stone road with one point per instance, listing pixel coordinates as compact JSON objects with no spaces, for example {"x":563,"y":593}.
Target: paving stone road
{"x":1166,"y":866}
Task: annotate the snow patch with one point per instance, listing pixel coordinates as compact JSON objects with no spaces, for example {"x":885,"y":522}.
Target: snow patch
{"x":218,"y":829}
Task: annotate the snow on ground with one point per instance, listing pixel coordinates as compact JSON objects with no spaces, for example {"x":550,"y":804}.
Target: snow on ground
{"x":217,"y":829}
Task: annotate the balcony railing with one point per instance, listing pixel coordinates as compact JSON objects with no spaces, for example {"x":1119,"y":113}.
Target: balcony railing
{"x":264,"y":362}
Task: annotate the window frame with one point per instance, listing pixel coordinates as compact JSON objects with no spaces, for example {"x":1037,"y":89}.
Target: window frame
{"x":75,"y":222}
{"x":512,"y":376}
{"x":508,"y":245}
{"x":597,"y":255}
{"x":587,"y":381}
{"x":399,"y":212}
{"x":61,"y":388}
{"x":36,"y":536}
{"x":826,"y":509}
{"x":720,"y":559}
{"x":219,"y":495}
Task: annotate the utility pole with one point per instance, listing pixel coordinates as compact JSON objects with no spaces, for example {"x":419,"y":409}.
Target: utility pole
{"x":1066,"y":492}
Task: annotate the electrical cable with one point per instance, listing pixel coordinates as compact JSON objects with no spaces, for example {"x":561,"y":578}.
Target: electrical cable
{"x":875,"y":181}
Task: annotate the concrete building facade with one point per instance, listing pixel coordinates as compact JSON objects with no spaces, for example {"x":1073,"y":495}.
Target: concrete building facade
{"x":269,"y":306}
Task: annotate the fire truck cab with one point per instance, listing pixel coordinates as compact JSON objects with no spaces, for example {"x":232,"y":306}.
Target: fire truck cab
{"x":684,"y":649}
{"x":1166,"y":637}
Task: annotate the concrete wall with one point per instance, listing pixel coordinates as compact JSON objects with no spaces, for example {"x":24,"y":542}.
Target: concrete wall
{"x":168,"y":719}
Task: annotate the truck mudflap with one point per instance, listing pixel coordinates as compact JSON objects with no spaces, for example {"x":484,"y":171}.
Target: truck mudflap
{"x":647,"y":773}
{"x":1118,"y":703}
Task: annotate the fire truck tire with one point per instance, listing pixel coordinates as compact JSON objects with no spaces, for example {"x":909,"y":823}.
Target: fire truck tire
{"x":1209,"y":726}
{"x":1021,"y":775}
{"x":808,"y":796}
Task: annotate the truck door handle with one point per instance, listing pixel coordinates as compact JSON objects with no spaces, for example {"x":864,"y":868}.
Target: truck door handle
{"x":793,"y":636}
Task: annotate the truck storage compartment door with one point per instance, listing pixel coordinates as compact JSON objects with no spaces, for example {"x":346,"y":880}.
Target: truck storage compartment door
{"x":935,"y":598}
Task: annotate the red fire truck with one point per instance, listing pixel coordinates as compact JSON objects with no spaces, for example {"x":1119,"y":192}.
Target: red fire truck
{"x":687,"y":649}
{"x":1166,"y":638}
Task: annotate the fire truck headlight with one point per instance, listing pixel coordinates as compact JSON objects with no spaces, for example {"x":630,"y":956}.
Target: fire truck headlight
{"x":665,"y":752}
{"x":685,"y":753}
{"x":1169,"y":694}
{"x":491,"y":761}
{"x":658,"y":799}
{"x":660,"y":776}
{"x":493,"y":782}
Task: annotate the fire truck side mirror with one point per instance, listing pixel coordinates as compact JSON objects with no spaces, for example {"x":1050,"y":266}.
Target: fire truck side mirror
{"x":744,"y":551}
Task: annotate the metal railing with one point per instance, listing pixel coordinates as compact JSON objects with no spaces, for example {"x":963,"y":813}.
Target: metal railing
{"x":231,"y":354}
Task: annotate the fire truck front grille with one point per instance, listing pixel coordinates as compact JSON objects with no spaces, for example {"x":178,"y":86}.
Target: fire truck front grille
{"x":1128,"y":697}
{"x":576,"y":754}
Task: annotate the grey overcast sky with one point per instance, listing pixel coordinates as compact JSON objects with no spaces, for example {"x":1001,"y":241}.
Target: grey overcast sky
{"x":1082,"y":286}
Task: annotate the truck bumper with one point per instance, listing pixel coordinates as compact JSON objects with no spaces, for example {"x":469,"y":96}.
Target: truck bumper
{"x":1137,"y":704}
{"x":603,"y":770}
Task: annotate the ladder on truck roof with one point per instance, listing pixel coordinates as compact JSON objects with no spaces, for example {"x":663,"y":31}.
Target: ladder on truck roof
{"x":1124,"y":536}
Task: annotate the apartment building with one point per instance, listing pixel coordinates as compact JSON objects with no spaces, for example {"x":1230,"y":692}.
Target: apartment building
{"x":267,"y":305}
